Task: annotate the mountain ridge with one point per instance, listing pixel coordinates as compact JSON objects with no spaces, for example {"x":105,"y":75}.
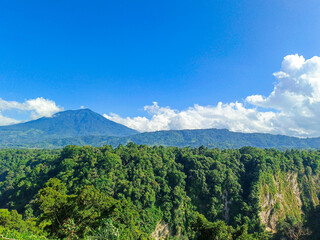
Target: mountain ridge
{"x":212,"y":138}
{"x":85,"y":127}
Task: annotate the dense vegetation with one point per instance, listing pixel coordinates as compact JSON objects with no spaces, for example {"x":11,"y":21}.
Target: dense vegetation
{"x":212,"y":138}
{"x":141,"y":192}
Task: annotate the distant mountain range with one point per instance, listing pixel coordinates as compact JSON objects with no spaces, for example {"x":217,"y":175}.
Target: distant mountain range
{"x":85,"y":127}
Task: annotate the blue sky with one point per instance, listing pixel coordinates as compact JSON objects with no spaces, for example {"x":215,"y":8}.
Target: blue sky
{"x":119,"y":56}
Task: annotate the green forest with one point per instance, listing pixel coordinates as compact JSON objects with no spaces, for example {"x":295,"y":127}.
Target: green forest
{"x":142,"y":192}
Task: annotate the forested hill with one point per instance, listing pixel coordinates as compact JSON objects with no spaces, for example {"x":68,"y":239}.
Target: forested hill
{"x":141,"y":192}
{"x":212,"y":138}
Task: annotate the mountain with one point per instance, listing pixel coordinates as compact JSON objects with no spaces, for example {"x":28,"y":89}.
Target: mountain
{"x":85,"y":127}
{"x":212,"y":138}
{"x":71,"y":123}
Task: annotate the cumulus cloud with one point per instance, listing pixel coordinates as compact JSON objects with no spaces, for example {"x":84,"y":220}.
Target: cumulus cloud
{"x":233,"y":116}
{"x":7,"y":121}
{"x":38,"y":107}
{"x":292,"y":108}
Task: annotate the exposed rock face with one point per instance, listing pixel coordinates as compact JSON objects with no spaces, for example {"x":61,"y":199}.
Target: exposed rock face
{"x":284,"y":199}
{"x":226,"y":208}
{"x":161,"y":232}
{"x":314,"y":193}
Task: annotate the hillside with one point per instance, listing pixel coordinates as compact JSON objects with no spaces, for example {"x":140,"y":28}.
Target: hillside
{"x":71,"y":123}
{"x":140,"y":192}
{"x":212,"y":138}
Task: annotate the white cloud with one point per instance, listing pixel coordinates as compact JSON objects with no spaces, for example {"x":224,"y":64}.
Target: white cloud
{"x":292,"y":108}
{"x":296,"y":96}
{"x":7,"y":121}
{"x":37,"y":108}
{"x":233,"y":116}
{"x":41,"y":107}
